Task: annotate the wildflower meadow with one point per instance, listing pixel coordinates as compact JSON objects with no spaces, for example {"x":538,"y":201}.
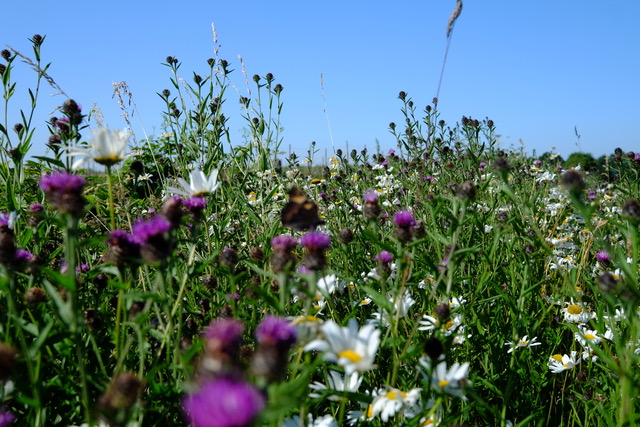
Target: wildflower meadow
{"x":186,"y":278}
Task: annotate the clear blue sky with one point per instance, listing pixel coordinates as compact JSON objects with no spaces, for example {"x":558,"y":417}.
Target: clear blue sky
{"x":537,"y":68}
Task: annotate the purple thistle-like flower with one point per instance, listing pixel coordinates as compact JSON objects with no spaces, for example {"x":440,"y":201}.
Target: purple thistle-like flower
{"x":404,"y":219}
{"x":603,"y":255}
{"x":151,"y":235}
{"x":36,"y":207}
{"x":284,"y":243}
{"x":370,"y":196}
{"x":228,"y":331}
{"x":63,"y":123}
{"x":195,"y":204}
{"x":4,"y":219}
{"x":22,"y":256}
{"x":384,"y":257}
{"x":143,"y":231}
{"x":62,"y":182}
{"x":303,"y":270}
{"x":277,"y":332}
{"x":6,"y":418}
{"x":315,"y":241}
{"x":223,"y":336}
{"x":224,"y":402}
{"x":64,"y":191}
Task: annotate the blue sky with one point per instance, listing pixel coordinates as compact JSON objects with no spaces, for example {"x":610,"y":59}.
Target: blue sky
{"x":537,"y":69}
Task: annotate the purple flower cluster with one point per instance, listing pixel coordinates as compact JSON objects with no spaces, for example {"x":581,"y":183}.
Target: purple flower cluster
{"x":224,"y":402}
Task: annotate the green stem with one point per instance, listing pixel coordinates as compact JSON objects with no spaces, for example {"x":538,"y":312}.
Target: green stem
{"x":111,"y":204}
{"x":70,"y":259}
{"x":24,"y":348}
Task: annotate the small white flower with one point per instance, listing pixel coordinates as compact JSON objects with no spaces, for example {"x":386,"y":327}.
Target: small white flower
{"x":522,"y":342}
{"x":388,"y":403}
{"x":401,"y":306}
{"x":429,"y":323}
{"x":326,"y":421}
{"x":199,"y":185}
{"x":336,"y":382}
{"x":559,"y":363}
{"x":352,"y":348}
{"x":587,"y":337}
{"x":452,"y":381}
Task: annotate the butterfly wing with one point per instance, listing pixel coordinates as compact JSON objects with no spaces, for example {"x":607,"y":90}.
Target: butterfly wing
{"x":300,"y":213}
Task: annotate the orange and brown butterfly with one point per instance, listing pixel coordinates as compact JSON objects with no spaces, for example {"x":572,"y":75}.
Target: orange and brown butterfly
{"x":300,"y":213}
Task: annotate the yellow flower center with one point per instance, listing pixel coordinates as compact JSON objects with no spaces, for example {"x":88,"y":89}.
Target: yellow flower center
{"x":574,"y":309}
{"x":557,"y":357}
{"x":449,"y":324}
{"x":370,"y":412}
{"x":393,"y":395}
{"x":443,"y":383}
{"x":590,"y":336}
{"x":350,"y":355}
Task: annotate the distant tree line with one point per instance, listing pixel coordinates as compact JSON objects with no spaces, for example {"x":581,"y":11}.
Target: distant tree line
{"x":608,"y":167}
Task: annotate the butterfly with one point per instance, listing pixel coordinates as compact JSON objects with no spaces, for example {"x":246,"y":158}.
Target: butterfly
{"x":300,"y":213}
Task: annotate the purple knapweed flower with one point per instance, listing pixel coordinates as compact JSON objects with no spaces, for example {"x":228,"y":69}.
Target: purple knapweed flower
{"x":35,"y":207}
{"x":6,"y":418}
{"x":404,"y":219}
{"x":315,"y":240}
{"x":226,"y":331}
{"x":156,"y":226}
{"x":195,"y":204}
{"x":23,"y":256}
{"x":151,"y":235}
{"x":62,"y":182}
{"x":222,"y":342}
{"x":224,"y":402}
{"x":303,"y":270}
{"x":4,"y":220}
{"x":284,"y":243}
{"x":277,"y":332}
{"x":64,"y":191}
{"x":370,"y":196}
{"x":603,"y":255}
{"x":383,"y":257}
{"x":63,"y":123}
{"x":122,"y":247}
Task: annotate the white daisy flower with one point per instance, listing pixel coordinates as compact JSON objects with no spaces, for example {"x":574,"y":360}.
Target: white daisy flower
{"x":575,"y":313}
{"x":335,"y":381}
{"x":325,"y":421}
{"x":559,"y":363}
{"x":107,"y":148}
{"x":199,"y":185}
{"x":429,"y":323}
{"x":587,"y":337}
{"x":389,"y":402}
{"x":451,"y":381}
{"x":352,"y":348}
{"x":401,"y":306}
{"x":522,"y":342}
